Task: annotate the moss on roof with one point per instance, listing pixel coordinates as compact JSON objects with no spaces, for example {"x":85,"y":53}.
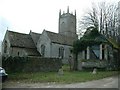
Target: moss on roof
{"x":92,"y":37}
{"x":114,"y":43}
{"x":95,"y":37}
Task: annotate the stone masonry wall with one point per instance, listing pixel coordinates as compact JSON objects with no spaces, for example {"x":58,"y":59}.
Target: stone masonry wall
{"x":31,"y":64}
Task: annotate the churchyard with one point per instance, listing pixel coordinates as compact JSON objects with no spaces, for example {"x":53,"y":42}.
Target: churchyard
{"x":66,"y":76}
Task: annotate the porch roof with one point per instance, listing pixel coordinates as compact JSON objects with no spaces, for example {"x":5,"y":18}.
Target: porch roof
{"x":114,"y":43}
{"x":94,"y":36}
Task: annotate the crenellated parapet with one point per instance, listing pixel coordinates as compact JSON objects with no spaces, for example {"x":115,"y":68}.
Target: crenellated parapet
{"x":67,"y":23}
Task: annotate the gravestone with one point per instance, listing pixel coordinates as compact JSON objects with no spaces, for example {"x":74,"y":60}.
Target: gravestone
{"x":94,"y":71}
{"x":60,"y":72}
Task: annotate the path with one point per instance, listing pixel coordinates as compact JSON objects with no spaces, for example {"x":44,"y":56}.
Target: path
{"x":110,"y":82}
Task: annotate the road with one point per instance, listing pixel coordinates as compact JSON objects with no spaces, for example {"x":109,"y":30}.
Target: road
{"x":110,"y":82}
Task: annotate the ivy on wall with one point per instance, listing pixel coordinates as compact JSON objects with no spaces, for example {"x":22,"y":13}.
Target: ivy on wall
{"x":90,"y":38}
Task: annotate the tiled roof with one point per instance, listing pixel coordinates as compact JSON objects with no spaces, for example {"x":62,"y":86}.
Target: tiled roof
{"x":60,"y":39}
{"x":35,"y":36}
{"x":114,"y":43}
{"x":32,"y":52}
{"x":94,"y":36}
{"x":20,"y":40}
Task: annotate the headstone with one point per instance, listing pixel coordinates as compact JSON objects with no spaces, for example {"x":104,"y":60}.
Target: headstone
{"x":60,"y":72}
{"x":94,"y":71}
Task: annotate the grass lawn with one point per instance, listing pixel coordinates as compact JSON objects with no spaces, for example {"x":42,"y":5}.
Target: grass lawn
{"x":68,"y":77}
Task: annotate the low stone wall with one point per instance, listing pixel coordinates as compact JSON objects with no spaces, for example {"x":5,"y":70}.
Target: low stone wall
{"x":90,"y":64}
{"x":94,"y":64}
{"x":31,"y":64}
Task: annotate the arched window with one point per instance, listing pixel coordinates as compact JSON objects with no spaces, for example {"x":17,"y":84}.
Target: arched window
{"x":5,"y":47}
{"x":42,"y":50}
{"x":61,"y":52}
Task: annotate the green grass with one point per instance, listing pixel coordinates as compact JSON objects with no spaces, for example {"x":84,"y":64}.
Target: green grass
{"x":68,"y":77}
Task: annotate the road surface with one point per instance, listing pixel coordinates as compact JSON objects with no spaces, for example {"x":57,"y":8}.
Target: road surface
{"x":110,"y":82}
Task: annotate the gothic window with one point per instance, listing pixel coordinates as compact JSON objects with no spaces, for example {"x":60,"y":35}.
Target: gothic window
{"x":63,"y":23}
{"x":42,"y":50}
{"x":5,"y":47}
{"x":61,"y":52}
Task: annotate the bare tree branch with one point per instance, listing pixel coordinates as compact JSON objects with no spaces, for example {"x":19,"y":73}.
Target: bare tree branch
{"x":102,"y":16}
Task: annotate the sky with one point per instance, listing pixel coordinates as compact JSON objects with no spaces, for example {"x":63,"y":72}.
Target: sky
{"x":36,"y":15}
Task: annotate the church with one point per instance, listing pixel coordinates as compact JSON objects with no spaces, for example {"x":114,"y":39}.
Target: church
{"x":47,"y":44}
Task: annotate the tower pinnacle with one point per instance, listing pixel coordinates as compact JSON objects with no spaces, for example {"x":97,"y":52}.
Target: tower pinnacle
{"x":75,"y":12}
{"x":68,"y":9}
{"x":60,"y":13}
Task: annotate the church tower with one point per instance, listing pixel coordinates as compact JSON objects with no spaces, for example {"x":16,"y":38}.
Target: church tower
{"x":67,"y":24}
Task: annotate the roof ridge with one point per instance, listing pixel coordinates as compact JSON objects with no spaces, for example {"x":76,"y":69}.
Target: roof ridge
{"x":35,"y":33}
{"x":58,"y":34}
{"x":51,"y":32}
{"x":17,"y":32}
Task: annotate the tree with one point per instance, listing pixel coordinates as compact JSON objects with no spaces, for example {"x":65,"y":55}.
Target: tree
{"x":90,"y":19}
{"x":102,"y":16}
{"x":108,"y":19}
{"x":75,"y":53}
{"x":90,"y":38}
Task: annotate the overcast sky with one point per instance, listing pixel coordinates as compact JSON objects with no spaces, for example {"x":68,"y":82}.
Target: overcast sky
{"x":36,"y":15}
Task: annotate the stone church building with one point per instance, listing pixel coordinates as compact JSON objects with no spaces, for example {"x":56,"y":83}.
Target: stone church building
{"x":47,"y":44}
